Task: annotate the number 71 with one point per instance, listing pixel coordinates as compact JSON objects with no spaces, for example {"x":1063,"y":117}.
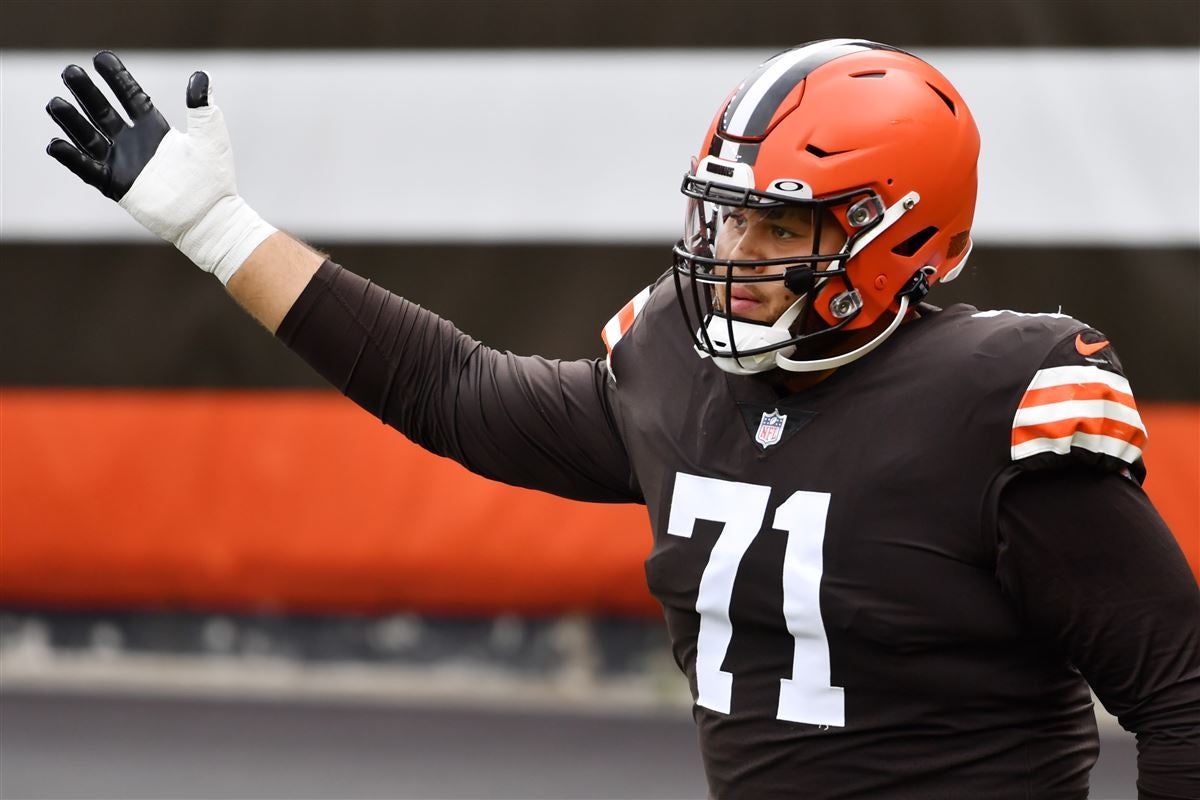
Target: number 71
{"x":807,"y":696}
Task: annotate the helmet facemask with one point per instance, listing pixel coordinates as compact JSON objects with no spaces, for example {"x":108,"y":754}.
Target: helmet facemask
{"x":717,"y":216}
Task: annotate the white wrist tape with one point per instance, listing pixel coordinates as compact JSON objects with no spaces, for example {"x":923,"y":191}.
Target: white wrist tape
{"x":224,"y":237}
{"x":187,"y":195}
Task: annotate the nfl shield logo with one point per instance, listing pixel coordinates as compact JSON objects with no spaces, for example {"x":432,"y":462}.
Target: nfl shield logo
{"x":770,"y":429}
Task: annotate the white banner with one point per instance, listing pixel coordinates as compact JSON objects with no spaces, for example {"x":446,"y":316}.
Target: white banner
{"x":1079,"y":146}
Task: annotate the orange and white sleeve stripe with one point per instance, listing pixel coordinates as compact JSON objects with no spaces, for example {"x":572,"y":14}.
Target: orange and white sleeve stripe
{"x":622,"y":321}
{"x":1084,"y":407}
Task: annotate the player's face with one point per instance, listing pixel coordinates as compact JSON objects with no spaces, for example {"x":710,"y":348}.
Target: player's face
{"x":765,"y":234}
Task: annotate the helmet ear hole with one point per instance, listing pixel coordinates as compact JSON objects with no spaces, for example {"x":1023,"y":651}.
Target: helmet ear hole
{"x":910,"y":246}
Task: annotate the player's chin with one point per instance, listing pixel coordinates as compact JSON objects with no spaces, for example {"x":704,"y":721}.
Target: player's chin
{"x":742,"y":316}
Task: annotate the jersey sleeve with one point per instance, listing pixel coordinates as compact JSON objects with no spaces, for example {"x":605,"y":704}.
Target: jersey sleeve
{"x":528,"y":421}
{"x":1078,"y":408}
{"x":1091,"y":567}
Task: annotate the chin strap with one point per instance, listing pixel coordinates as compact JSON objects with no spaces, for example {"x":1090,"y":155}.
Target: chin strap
{"x":914,"y":291}
{"x":833,"y":362}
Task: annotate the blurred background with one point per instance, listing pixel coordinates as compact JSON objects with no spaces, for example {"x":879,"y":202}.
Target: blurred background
{"x":218,"y":578}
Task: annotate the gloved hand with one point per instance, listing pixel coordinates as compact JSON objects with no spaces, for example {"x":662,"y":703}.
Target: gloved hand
{"x":178,"y":185}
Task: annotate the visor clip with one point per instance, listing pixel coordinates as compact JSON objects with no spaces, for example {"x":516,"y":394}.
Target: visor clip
{"x":846,"y":304}
{"x":865,"y":211}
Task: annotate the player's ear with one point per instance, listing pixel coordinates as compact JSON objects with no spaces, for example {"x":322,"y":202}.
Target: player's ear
{"x":197,"y":90}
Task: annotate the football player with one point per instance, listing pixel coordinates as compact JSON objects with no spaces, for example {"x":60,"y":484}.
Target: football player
{"x":894,"y":544}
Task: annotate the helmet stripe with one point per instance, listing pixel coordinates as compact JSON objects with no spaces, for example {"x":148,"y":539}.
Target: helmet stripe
{"x":754,"y":104}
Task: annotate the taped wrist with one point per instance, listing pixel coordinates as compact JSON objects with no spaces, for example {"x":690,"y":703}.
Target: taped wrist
{"x":224,"y":237}
{"x":187,"y":195}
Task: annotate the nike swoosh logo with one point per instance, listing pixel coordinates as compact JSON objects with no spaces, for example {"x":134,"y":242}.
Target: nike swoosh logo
{"x":1086,"y":349}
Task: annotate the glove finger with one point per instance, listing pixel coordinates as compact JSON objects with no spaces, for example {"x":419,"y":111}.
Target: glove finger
{"x":93,"y":103}
{"x":197,"y":89}
{"x":81,"y":132}
{"x":205,"y":122}
{"x":129,"y":94}
{"x":88,"y":169}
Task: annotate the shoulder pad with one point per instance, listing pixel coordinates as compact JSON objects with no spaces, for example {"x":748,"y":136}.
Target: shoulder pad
{"x":1026,"y":334}
{"x":1002,"y":312}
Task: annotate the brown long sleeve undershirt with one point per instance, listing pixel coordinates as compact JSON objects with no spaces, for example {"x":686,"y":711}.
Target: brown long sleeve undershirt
{"x":1092,"y":568}
{"x":527,"y":421}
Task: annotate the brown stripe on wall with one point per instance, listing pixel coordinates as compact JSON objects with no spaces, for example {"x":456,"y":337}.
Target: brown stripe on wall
{"x":301,"y":502}
{"x":87,"y":25}
{"x":140,"y":315}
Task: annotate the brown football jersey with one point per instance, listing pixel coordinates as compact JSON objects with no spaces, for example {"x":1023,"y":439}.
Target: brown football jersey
{"x":826,"y":565}
{"x":845,"y":571}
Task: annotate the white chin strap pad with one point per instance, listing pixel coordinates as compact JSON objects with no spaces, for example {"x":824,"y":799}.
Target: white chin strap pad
{"x":749,"y":336}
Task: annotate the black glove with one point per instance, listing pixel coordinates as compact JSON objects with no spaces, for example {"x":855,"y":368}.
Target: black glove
{"x":178,"y":185}
{"x":108,"y":153}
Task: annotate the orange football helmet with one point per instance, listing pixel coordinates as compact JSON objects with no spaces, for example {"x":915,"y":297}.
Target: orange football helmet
{"x":861,"y":134}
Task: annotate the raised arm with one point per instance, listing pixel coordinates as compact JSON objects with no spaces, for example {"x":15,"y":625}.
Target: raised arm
{"x":528,"y":421}
{"x":534,"y":422}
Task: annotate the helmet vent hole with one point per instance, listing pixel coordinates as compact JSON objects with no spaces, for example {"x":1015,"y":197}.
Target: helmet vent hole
{"x":874,"y":74}
{"x":912,"y":244}
{"x":819,"y":153}
{"x":949,"y":103}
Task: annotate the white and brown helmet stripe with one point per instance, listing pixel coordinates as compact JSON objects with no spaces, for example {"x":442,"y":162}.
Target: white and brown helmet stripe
{"x":748,"y":114}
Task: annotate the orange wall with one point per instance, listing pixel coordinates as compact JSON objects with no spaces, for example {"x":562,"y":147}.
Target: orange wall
{"x":1173,"y":481}
{"x":151,"y":499}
